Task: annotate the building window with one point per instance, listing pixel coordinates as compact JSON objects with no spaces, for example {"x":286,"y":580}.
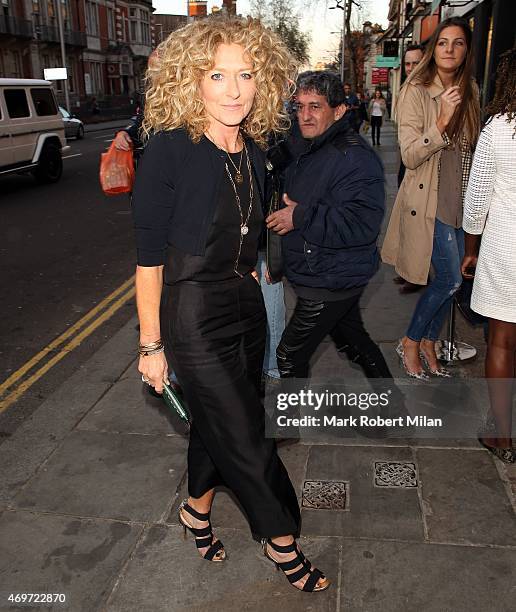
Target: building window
{"x":96,"y":77}
{"x":133,"y":31}
{"x":51,"y":9}
{"x":145,"y":27}
{"x":111,"y":24}
{"x":35,"y":6}
{"x":92,"y":18}
{"x":12,"y":65}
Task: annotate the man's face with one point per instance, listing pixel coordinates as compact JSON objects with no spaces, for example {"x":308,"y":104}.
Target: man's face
{"x":347,"y":90}
{"x":412,"y":59}
{"x":314,"y":114}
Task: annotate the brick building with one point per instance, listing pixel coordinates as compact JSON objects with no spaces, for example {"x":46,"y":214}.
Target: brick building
{"x":107,"y":45}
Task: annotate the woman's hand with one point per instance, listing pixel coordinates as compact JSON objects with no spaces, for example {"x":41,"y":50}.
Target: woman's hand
{"x":468,"y":265}
{"x":154,"y":369}
{"x":450,"y":99}
{"x":123,"y":141}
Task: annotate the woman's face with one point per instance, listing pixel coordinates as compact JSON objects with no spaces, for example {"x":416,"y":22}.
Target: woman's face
{"x":450,"y":50}
{"x":228,"y":89}
{"x":378,"y":94}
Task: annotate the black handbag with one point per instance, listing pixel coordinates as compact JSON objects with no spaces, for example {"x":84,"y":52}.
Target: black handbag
{"x":278,"y":157}
{"x":273,"y":256}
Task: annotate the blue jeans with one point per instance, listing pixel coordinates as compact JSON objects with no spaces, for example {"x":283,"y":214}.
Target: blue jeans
{"x":434,"y":304}
{"x":274,"y":299}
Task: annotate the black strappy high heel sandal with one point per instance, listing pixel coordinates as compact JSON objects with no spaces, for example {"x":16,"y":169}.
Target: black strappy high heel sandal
{"x":204,"y":535}
{"x":300,"y":563}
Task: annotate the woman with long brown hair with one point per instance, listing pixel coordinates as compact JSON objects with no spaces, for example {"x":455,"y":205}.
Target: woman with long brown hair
{"x":438,"y":115}
{"x":490,"y":211}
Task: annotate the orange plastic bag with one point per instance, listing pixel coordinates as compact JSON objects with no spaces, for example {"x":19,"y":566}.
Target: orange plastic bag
{"x":116,"y":171}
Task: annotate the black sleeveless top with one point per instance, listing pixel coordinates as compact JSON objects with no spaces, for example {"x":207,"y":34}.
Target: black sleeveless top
{"x":221,"y":257}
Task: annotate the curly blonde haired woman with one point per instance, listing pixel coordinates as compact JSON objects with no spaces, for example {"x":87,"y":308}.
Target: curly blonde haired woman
{"x":212,"y":100}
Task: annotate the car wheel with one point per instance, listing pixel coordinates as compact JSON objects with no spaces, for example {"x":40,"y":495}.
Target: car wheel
{"x":80,"y":132}
{"x":50,"y":165}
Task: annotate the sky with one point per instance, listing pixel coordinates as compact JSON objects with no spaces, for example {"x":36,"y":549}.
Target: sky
{"x":317,"y":19}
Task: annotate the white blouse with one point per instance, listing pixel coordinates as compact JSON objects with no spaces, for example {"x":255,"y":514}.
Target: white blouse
{"x":490,"y":210}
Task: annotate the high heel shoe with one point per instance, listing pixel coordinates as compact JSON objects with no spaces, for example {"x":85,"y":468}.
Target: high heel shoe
{"x":401,"y":354}
{"x":204,"y":535}
{"x":440,"y":371}
{"x":507,"y":455}
{"x":300,"y":563}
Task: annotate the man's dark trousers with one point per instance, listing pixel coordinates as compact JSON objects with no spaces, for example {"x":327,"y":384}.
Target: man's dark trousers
{"x":313,"y":320}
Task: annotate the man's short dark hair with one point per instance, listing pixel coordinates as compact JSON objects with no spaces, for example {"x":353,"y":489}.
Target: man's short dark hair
{"x":414,"y":48}
{"x":324,"y":83}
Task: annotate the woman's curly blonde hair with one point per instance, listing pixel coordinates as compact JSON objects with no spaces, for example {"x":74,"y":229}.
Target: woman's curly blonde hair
{"x":173,"y":99}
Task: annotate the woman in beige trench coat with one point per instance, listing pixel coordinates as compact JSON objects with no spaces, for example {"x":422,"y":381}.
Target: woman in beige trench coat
{"x":438,"y":117}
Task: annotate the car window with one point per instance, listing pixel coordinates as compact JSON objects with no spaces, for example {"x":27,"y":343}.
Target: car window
{"x":44,"y":102}
{"x":16,"y":102}
{"x":64,"y":112}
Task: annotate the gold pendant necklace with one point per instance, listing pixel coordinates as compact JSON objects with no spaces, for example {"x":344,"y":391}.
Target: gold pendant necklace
{"x":238,"y":176}
{"x":244,"y":223}
{"x":239,"y":179}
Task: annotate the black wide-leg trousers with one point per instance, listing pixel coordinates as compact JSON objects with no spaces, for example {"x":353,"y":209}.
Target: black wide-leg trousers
{"x":214,"y":335}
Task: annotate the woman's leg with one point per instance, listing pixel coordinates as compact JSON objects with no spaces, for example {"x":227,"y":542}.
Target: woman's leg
{"x":373,"y":129}
{"x":218,"y":336}
{"x":431,"y":310}
{"x":454,"y":254}
{"x":500,"y":372}
{"x":379,"y":127}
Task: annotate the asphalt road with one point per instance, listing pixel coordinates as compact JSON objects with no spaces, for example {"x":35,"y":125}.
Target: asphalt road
{"x":63,"y":248}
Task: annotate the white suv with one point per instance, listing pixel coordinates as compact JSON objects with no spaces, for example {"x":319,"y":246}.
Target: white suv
{"x":32,"y":137}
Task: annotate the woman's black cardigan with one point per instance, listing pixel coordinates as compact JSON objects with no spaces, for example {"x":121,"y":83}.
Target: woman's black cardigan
{"x":176,"y":192}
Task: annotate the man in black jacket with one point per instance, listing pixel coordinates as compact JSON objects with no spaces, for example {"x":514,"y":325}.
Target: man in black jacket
{"x":334,"y":206}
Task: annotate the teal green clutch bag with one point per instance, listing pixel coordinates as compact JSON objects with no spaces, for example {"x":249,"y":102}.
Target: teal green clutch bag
{"x":175,"y":403}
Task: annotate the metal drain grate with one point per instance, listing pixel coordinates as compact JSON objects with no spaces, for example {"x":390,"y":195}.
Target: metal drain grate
{"x":395,"y":474}
{"x":326,"y":494}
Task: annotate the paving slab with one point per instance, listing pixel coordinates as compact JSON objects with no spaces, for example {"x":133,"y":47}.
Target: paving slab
{"x":128,"y":407}
{"x":395,"y":576}
{"x":41,"y":434}
{"x":464,"y":499}
{"x":373,"y":512}
{"x":58,"y":554}
{"x":166,"y":573}
{"x":126,"y":477}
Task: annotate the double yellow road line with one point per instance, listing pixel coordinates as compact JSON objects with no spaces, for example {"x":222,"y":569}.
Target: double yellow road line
{"x":21,"y":380}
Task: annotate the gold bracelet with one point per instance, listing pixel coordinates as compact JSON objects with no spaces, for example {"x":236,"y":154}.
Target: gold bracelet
{"x":151,"y":345}
{"x":154,"y":351}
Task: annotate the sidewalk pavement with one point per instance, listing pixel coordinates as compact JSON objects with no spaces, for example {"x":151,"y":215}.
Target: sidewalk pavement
{"x":90,"y":487}
{"x":107,"y":125}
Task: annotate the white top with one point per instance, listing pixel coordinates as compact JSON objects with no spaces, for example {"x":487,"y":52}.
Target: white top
{"x":490,"y":209}
{"x":377,"y":109}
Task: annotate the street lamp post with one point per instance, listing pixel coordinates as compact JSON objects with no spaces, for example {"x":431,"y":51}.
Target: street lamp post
{"x":343,"y":4}
{"x":343,"y":44}
{"x":343,"y":41}
{"x":63,"y":51}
